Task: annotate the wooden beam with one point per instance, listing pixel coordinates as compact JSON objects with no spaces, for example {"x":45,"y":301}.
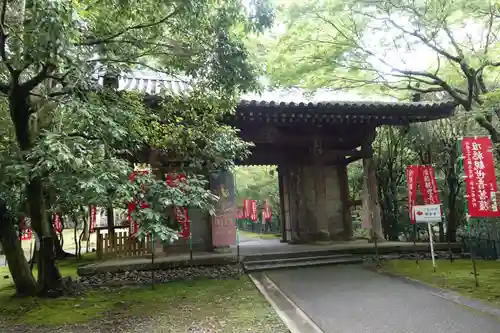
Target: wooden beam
{"x":351,"y":159}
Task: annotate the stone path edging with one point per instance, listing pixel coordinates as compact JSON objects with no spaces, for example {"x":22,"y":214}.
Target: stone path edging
{"x":292,"y":316}
{"x":446,"y":294}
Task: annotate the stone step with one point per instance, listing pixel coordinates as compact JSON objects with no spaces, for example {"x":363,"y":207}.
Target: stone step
{"x":290,"y":254}
{"x":309,"y":257}
{"x":263,"y":266}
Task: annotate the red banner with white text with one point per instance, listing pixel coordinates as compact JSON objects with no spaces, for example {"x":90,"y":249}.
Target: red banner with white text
{"x":26,"y":234}
{"x":253,"y":210}
{"x":93,"y":218}
{"x":480,"y":179}
{"x":57,"y":223}
{"x":247,"y":208}
{"x":424,"y":176}
{"x":412,"y":172}
{"x":133,"y":226}
{"x":266,"y":212}
{"x":428,"y":185}
{"x":181,"y":213}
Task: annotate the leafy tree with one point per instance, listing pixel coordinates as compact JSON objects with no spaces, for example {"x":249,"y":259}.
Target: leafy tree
{"x":72,"y":139}
{"x":392,"y":154}
{"x":370,"y":45}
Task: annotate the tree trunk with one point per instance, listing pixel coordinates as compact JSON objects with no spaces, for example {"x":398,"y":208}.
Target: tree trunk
{"x":58,"y":244}
{"x":111,"y":222}
{"x":49,"y":278}
{"x":19,"y":268}
{"x":453,"y":192}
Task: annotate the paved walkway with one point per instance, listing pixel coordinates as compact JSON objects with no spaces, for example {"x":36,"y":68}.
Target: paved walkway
{"x":351,"y":299}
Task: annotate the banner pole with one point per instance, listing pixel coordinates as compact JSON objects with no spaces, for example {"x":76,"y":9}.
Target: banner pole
{"x":431,"y":242}
{"x":473,"y":259}
{"x":466,"y":210}
{"x":153,"y":270}
{"x":238,"y":249}
{"x":443,"y":217}
{"x":238,"y":264}
{"x":415,"y":243}
{"x":190,"y":243}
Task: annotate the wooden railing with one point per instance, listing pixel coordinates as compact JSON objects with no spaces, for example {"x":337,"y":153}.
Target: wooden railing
{"x":119,"y":244}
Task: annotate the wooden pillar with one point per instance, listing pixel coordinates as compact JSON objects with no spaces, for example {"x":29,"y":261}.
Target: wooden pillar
{"x":283,"y":211}
{"x":344,"y":195}
{"x":370,"y":184}
{"x":320,"y":221}
{"x":296,"y":206}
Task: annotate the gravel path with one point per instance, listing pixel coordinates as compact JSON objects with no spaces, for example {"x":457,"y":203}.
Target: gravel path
{"x":351,"y":299}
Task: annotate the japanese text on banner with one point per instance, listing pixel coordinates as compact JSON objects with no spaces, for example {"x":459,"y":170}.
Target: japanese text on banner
{"x":480,"y":179}
{"x":411,"y":182}
{"x":428,"y":185}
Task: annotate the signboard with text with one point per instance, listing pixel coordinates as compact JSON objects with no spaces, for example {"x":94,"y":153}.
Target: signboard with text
{"x":427,"y":213}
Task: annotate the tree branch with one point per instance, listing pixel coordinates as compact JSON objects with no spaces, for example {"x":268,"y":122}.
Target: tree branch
{"x":43,"y":74}
{"x":99,"y":41}
{"x":3,"y":39}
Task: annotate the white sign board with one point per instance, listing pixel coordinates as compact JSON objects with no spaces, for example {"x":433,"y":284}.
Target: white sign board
{"x":427,"y":213}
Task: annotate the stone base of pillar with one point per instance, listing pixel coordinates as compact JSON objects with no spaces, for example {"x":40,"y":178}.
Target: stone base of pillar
{"x":337,"y":237}
{"x":379,"y":240}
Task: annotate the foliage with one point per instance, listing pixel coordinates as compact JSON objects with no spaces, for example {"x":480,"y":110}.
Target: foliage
{"x":74,"y":140}
{"x":392,"y":155}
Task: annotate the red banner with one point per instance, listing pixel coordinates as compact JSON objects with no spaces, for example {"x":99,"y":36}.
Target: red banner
{"x":133,"y":226}
{"x":239,"y":213}
{"x":181,"y":213}
{"x":428,"y":185}
{"x":266,"y":212}
{"x":412,"y":172}
{"x":480,"y":179}
{"x":56,"y":223}
{"x":253,"y":210}
{"x":423,"y":174}
{"x":26,"y":234}
{"x":247,"y":208}
{"x":93,"y":218}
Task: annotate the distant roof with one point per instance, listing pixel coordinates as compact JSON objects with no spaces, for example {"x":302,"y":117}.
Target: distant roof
{"x":294,"y":99}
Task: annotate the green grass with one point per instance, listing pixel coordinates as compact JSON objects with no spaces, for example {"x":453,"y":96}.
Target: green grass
{"x":456,"y":276}
{"x":224,"y":305}
{"x":69,"y":240}
{"x":67,"y":267}
{"x":259,"y":235}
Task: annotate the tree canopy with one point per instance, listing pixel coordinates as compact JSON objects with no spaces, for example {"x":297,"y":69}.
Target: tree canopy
{"x":70,"y":139}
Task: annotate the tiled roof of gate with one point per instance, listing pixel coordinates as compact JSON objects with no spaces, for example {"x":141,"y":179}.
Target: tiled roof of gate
{"x":154,"y":83}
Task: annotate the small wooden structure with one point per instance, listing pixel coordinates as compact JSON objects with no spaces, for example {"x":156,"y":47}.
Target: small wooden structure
{"x":119,"y":244}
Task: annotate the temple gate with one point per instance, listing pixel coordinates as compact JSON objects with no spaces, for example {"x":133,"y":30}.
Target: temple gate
{"x":312,"y":144}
